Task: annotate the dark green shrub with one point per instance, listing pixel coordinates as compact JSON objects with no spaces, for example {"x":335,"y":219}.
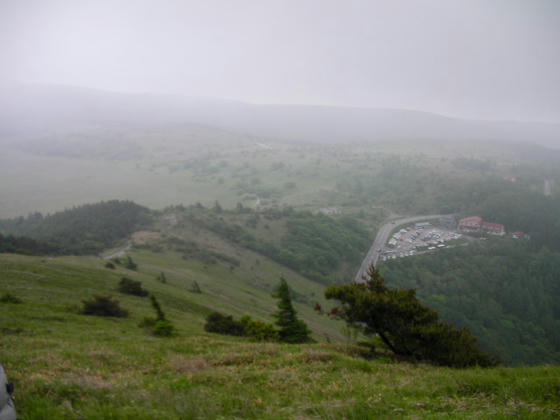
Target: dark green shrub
{"x":132,"y":287}
{"x":223,"y":324}
{"x":110,"y":265}
{"x":147,"y":322}
{"x":258,"y":330}
{"x":130,"y":264}
{"x":163,"y":328}
{"x":103,"y":306}
{"x":9,"y":298}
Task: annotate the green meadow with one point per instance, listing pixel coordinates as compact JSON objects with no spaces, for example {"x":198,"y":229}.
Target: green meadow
{"x":71,"y":366}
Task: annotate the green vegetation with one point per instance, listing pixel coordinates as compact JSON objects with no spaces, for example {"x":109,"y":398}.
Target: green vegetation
{"x":259,"y":330}
{"x":103,"y":306}
{"x":72,"y":366}
{"x":9,"y":298}
{"x":223,"y":324}
{"x":195,"y":288}
{"x":191,"y":249}
{"x":159,"y":325}
{"x":292,"y":330}
{"x":161,"y":277}
{"x":505,"y":292}
{"x":68,"y":366}
{"x":405,"y":326}
{"x":219,"y":323}
{"x":132,"y":287}
{"x":130,"y":264}
{"x":24,"y":245}
{"x":313,"y":245}
{"x":86,"y":229}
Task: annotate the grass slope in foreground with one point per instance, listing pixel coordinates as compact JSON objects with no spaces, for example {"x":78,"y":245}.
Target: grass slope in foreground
{"x":71,"y":366}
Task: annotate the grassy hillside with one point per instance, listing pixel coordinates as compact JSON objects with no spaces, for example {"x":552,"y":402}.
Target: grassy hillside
{"x":71,"y":366}
{"x":322,"y":248}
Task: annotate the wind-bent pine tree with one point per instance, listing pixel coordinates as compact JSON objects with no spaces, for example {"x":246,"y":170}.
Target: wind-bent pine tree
{"x":405,"y":325}
{"x":292,"y":329}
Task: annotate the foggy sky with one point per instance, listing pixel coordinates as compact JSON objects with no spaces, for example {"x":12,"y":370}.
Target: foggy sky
{"x":491,"y":59}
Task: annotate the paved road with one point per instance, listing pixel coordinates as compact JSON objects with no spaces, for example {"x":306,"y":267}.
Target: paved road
{"x":120,"y":253}
{"x":381,"y":239}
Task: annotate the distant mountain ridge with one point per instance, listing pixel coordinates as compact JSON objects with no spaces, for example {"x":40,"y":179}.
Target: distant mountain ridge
{"x":28,"y":110}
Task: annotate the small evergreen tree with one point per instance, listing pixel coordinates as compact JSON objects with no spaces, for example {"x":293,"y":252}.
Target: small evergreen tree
{"x":162,"y":277}
{"x":292,"y":329}
{"x":160,"y":316}
{"x":195,"y":288}
{"x":130,"y":264}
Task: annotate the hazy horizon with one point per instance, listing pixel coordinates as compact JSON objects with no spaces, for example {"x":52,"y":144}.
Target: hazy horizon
{"x":488,"y":60}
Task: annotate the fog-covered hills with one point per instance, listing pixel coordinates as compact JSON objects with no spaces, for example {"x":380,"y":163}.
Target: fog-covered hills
{"x":30,"y":110}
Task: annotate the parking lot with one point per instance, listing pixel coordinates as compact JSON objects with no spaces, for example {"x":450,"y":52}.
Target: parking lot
{"x":418,"y":238}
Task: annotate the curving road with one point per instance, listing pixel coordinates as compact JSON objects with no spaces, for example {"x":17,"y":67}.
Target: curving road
{"x":381,"y":239}
{"x":120,"y":253}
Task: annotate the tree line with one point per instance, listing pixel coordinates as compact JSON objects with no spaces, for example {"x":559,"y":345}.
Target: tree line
{"x":86,"y":229}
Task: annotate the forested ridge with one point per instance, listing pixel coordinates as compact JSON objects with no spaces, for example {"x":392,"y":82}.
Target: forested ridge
{"x":504,"y":291}
{"x":86,"y":229}
{"x":25,"y":245}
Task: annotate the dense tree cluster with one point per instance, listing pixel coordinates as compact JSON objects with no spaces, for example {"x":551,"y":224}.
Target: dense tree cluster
{"x":25,"y":245}
{"x":506,"y":293}
{"x":86,"y":229}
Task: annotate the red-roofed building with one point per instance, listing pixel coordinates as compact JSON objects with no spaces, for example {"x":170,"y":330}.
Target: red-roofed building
{"x":493,"y":228}
{"x":472,"y":224}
